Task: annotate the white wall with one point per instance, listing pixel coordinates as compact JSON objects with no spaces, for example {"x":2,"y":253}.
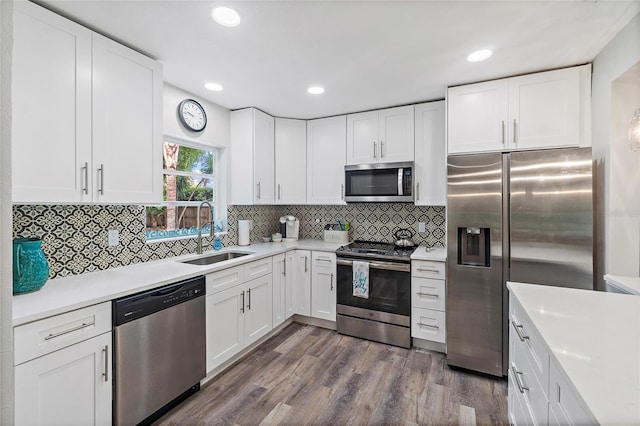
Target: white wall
{"x":618,"y":175}
{"x":6,"y":278}
{"x":217,"y":133}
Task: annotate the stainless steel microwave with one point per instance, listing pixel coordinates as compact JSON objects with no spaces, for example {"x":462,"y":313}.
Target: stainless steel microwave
{"x":381,"y":183}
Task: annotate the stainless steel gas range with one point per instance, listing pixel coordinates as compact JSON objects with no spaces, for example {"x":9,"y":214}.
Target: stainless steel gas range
{"x":384,"y":315}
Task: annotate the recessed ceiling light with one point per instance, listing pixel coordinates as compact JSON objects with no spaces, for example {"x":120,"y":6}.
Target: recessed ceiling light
{"x":479,"y":55}
{"x":213,"y":86}
{"x":225,"y":16}
{"x":315,"y":90}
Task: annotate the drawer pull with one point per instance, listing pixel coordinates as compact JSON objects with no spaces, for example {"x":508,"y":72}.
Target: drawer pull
{"x":106,"y":363}
{"x":428,"y":294}
{"x":515,"y":372}
{"x":519,"y":327}
{"x":324,"y":259}
{"x":435,"y":271}
{"x":71,"y":330}
{"x":428,"y":325}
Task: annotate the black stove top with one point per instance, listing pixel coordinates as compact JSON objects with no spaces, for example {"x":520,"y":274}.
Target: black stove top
{"x":375,"y":250}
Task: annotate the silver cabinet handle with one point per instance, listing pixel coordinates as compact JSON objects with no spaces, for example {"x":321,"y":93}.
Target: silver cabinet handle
{"x":306,"y":268}
{"x":106,"y":363}
{"x":284,"y":267}
{"x":249,"y":297}
{"x":85,"y":184}
{"x":428,"y":325}
{"x":435,"y":271}
{"x":324,"y":259}
{"x":381,"y":150}
{"x":342,"y":191}
{"x":417,"y":191}
{"x":375,"y":150}
{"x":71,"y":330}
{"x":519,"y":327}
{"x":258,"y":195}
{"x":428,"y":294}
{"x":515,"y":372}
{"x":503,"y":132}
{"x":332,"y":281}
{"x":242,"y":306}
{"x":515,"y":141}
{"x":101,"y":187}
{"x":278,"y":191}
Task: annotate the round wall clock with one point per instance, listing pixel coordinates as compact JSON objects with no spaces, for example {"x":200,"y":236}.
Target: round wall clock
{"x":192,"y":115}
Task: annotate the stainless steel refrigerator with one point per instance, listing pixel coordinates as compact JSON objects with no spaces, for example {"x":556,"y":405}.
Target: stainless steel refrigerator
{"x":520,"y":216}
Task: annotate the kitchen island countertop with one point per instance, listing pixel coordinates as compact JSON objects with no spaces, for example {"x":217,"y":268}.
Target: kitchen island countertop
{"x":595,"y":338}
{"x":78,"y":291}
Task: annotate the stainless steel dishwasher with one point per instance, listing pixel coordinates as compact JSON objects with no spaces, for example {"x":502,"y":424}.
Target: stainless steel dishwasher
{"x":159,"y":344}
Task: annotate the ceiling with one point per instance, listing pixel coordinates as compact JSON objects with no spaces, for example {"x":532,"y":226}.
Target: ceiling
{"x":367,"y":54}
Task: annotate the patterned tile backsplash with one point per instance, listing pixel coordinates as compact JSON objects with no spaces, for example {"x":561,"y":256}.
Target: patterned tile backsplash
{"x":75,"y":236}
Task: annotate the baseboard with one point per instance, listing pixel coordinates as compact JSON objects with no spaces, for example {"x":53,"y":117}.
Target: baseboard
{"x":429,"y":345}
{"x":302,"y":319}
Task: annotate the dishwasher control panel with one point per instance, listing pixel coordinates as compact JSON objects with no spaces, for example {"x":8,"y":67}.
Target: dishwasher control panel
{"x":148,"y":302}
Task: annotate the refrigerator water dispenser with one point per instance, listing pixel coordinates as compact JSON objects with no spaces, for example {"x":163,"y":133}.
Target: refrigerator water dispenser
{"x":473,"y":246}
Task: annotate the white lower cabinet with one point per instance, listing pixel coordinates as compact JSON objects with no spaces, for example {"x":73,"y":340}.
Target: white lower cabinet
{"x":279,"y":289}
{"x":323,"y":285}
{"x":301,"y":285}
{"x":428,"y":304}
{"x":237,"y":316}
{"x":63,"y":372}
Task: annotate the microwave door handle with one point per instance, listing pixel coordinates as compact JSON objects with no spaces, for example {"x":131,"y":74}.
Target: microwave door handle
{"x":400,"y":174}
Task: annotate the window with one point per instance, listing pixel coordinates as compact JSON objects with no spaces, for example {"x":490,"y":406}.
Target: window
{"x":189,"y":179}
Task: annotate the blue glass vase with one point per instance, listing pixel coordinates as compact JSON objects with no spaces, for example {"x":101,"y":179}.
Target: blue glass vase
{"x":30,"y":267}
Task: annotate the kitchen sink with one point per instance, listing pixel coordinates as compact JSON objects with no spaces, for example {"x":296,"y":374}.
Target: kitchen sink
{"x":208,"y":260}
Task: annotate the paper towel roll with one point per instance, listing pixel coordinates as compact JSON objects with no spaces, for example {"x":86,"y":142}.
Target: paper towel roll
{"x":244,"y":226}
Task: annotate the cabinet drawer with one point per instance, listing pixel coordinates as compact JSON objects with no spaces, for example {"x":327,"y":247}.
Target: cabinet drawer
{"x":50,"y":334}
{"x":258,"y":268}
{"x":222,"y":280}
{"x":428,"y":324}
{"x":530,"y":386}
{"x":428,"y":293}
{"x":519,"y":410}
{"x":566,"y":406}
{"x":521,"y":329}
{"x":428,"y":269}
{"x":323,"y":259}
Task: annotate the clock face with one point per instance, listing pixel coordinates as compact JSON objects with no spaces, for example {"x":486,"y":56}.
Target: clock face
{"x":192,"y":115}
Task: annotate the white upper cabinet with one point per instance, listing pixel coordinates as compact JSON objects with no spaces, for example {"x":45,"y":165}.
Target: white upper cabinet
{"x":252,"y":157}
{"x":87,"y":117}
{"x":430,"y":169}
{"x":326,"y":157}
{"x":127,"y":124}
{"x":381,"y":136}
{"x":291,"y":161}
{"x":544,"y":110}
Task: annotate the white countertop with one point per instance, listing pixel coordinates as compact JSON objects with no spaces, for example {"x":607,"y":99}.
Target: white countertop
{"x":65,"y":294}
{"x":624,"y":283}
{"x":438,"y":254}
{"x":595,"y":338}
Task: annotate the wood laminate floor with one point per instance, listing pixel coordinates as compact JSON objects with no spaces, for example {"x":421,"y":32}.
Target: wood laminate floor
{"x":307,"y":375}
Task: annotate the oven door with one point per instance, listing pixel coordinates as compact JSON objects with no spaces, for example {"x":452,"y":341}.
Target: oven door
{"x":389,"y":287}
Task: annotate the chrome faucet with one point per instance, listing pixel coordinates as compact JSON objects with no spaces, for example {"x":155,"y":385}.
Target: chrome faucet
{"x":199,"y":249}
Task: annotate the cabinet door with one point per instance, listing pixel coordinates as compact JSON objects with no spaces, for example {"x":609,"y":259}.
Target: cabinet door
{"x":225,"y":325}
{"x":51,"y":122}
{"x":279,"y":290}
{"x":302,"y":283}
{"x":430,"y":169}
{"x":323,"y":286}
{"x":396,"y":134}
{"x":71,"y":386}
{"x":291,"y":161}
{"x":290,"y":282}
{"x":326,"y":157}
{"x":240,"y":170}
{"x":477,"y":117}
{"x":127,"y":124}
{"x":258,"y":309}
{"x":544,"y":109}
{"x":363,"y":143}
{"x":263,"y":157}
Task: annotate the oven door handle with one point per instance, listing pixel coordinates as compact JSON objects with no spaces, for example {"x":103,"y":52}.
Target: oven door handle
{"x":385,"y":266}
